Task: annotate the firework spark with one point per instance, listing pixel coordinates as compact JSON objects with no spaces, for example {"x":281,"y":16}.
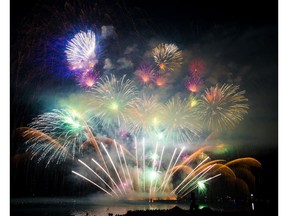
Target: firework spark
{"x":167,"y":56}
{"x":222,"y":107}
{"x":80,"y":51}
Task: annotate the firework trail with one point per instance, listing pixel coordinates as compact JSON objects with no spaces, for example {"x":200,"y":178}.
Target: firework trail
{"x":58,"y":134}
{"x":146,"y":175}
{"x":64,"y":127}
{"x":149,"y":173}
{"x":241,"y":174}
{"x":44,"y":145}
{"x":222,"y":107}
{"x":152,"y":176}
{"x":167,"y":56}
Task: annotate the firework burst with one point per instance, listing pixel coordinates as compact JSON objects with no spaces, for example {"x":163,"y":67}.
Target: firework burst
{"x":193,"y":84}
{"x":160,"y":79}
{"x":81,"y":51}
{"x":167,"y":56}
{"x":112,"y":100}
{"x":222,"y":107}
{"x":197,"y":67}
{"x":88,"y":80}
{"x":144,"y":116}
{"x":145,"y":74}
{"x":152,"y":163}
{"x":179,"y":121}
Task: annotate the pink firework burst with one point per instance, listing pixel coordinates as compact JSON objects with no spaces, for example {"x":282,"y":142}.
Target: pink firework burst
{"x":145,"y":74}
{"x":197,"y":67}
{"x":193,"y":84}
{"x":88,"y":79}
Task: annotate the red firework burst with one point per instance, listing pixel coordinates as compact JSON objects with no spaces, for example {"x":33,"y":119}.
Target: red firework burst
{"x":197,"y":67}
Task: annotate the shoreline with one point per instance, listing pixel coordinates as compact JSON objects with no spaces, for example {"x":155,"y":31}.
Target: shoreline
{"x":79,"y":206}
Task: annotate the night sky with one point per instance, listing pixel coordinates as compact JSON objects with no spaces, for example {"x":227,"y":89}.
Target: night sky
{"x":238,"y":41}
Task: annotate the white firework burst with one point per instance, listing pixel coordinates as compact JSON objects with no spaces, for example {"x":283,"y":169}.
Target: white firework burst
{"x":80,"y":51}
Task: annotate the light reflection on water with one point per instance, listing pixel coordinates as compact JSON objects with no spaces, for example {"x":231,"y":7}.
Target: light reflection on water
{"x":76,"y":207}
{"x":96,"y":206}
{"x":122,"y":209}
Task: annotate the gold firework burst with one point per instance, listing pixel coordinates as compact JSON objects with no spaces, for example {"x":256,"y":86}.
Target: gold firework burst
{"x":167,"y":56}
{"x":222,"y":107}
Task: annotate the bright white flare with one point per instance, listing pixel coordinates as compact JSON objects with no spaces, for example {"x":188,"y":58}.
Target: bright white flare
{"x":80,"y":51}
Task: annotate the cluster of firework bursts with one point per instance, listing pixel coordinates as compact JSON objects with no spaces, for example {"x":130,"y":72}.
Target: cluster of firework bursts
{"x":130,"y":143}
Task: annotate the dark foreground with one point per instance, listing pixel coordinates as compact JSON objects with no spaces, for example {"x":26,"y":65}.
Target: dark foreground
{"x":176,"y":211}
{"x":73,"y":207}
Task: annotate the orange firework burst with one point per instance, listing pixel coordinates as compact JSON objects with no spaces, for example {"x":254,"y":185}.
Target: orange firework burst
{"x":160,"y":79}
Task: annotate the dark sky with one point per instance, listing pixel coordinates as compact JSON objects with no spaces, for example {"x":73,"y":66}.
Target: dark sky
{"x":183,"y":13}
{"x":240,"y":34}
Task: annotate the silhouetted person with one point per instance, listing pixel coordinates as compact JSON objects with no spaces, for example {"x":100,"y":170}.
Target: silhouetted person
{"x":193,"y":205}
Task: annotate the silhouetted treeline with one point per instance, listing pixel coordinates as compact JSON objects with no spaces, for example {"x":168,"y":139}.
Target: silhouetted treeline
{"x":198,"y":212}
